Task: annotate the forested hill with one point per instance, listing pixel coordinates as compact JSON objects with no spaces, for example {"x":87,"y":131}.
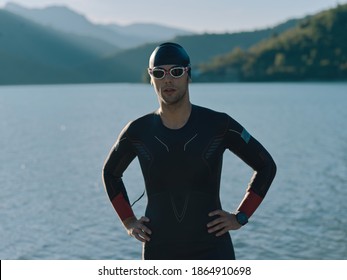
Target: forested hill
{"x":313,"y":48}
{"x":131,"y":65}
{"x":316,"y":49}
{"x":34,"y":54}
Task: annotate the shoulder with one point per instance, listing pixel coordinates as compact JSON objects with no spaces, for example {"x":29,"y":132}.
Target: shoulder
{"x":220,"y":120}
{"x":208,"y":113}
{"x":140,"y":125}
{"x":212,"y":118}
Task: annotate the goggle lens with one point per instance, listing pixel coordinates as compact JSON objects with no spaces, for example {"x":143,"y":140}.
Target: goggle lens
{"x":177,"y":72}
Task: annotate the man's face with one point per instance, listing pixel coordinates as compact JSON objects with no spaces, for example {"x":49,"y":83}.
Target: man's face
{"x":171,"y":90}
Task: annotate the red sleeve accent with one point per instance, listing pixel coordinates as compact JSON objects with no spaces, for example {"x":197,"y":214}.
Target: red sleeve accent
{"x":122,"y":207}
{"x":250,"y":203}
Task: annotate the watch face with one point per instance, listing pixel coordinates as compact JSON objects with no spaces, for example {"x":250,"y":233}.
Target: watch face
{"x":242,"y":218}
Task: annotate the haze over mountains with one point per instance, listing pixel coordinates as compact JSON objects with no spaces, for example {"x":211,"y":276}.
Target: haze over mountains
{"x":66,"y":20}
{"x":58,"y":45}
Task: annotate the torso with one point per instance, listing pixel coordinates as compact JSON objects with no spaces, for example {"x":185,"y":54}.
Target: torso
{"x":182,"y":170}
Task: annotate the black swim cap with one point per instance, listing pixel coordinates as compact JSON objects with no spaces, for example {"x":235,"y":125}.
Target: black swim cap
{"x":167,"y":54}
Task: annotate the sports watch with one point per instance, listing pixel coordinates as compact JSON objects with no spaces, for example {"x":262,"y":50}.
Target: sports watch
{"x":241,"y":218}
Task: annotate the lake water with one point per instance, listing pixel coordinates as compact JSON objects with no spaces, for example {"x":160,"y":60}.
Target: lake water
{"x":54,"y":140}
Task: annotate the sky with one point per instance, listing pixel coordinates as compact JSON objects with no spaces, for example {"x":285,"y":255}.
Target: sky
{"x":211,"y":16}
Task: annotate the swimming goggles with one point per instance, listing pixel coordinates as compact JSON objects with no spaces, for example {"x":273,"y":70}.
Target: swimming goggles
{"x":175,"y":72}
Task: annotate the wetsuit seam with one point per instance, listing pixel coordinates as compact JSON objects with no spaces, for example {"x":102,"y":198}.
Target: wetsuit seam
{"x":178,"y":216}
{"x":146,"y":153}
{"x":185,"y":145}
{"x":161,"y":142}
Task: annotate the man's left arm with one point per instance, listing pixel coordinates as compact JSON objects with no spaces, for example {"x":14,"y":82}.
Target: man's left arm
{"x":247,"y":148}
{"x":259,"y":159}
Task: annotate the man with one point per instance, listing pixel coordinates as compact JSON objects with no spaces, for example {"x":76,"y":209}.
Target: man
{"x":180,"y":148}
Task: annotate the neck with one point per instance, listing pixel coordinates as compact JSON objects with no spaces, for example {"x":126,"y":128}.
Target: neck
{"x":175,"y":117}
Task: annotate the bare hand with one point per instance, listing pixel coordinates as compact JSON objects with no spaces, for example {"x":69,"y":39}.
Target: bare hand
{"x":137,"y":229}
{"x":222,"y":224}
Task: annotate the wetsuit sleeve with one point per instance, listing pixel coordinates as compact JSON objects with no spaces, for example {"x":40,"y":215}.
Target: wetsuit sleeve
{"x":247,"y":148}
{"x":120,"y":157}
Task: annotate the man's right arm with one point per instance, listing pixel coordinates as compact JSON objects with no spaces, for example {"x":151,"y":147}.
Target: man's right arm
{"x":121,"y":155}
{"x":119,"y":158}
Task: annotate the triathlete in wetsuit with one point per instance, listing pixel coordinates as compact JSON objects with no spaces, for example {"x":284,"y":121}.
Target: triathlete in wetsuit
{"x":182,"y":167}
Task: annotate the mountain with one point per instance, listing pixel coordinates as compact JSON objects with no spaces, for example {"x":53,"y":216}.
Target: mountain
{"x":63,"y":19}
{"x":31,"y":53}
{"x":200,"y":47}
{"x":313,"y":48}
{"x":40,"y":53}
{"x":150,"y":32}
{"x":316,"y":49}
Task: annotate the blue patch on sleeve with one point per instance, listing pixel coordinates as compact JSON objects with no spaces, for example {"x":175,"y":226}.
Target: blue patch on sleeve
{"x":245,"y":136}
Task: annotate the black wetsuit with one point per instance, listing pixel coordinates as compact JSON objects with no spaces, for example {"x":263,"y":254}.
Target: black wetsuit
{"x":182,"y":172}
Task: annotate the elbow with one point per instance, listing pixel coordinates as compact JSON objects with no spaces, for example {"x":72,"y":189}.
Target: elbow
{"x":264,"y":175}
{"x":273,"y":169}
{"x":270,"y":170}
{"x":267,"y":169}
{"x":104,"y":173}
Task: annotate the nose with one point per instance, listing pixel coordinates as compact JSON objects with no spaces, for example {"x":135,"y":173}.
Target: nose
{"x":167,"y":76}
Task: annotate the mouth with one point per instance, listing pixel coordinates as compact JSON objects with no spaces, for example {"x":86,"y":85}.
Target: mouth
{"x":169,"y":90}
